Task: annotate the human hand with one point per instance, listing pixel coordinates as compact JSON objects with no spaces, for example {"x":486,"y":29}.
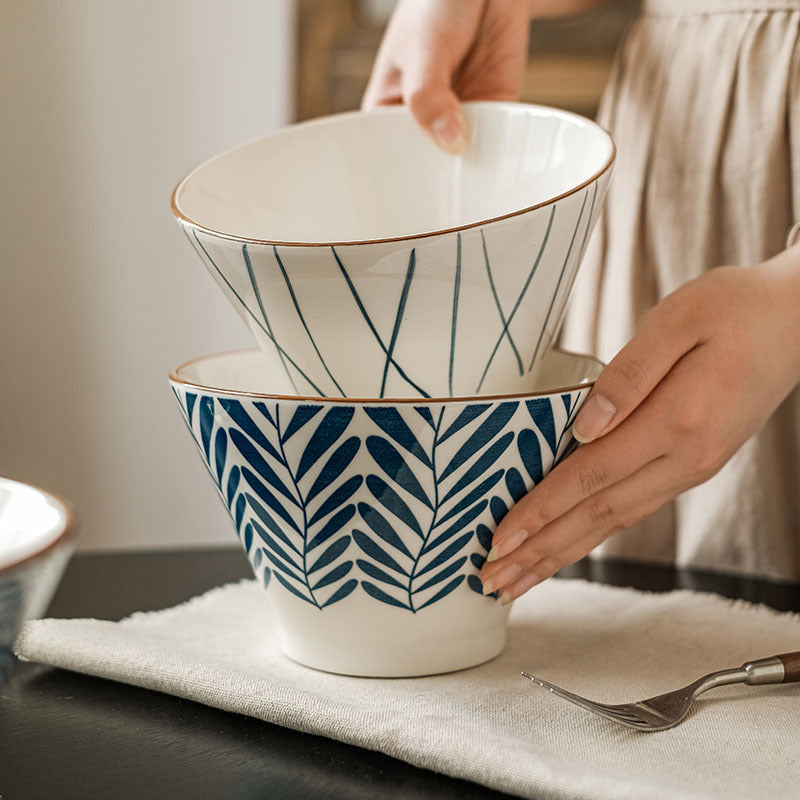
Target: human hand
{"x":705,"y":370}
{"x":436,"y":53}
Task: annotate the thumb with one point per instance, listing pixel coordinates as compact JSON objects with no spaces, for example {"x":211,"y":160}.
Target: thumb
{"x":635,"y":371}
{"x":427,"y":90}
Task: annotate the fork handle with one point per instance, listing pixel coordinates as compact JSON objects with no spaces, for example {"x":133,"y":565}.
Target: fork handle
{"x":791,"y":666}
{"x":783,"y":668}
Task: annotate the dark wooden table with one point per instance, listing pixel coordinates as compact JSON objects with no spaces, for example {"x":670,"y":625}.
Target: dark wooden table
{"x":65,"y":735}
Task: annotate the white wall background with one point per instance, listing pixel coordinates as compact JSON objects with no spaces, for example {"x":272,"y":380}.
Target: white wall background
{"x":104,"y":105}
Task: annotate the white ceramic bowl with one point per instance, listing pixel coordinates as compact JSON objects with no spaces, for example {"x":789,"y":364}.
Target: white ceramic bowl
{"x":37,"y":537}
{"x":369,"y":263}
{"x":368,"y":521}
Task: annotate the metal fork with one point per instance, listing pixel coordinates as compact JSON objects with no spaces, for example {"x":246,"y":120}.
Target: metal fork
{"x":665,"y":710}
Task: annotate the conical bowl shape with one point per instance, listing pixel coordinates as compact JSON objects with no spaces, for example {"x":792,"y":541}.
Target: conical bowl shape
{"x":369,"y":263}
{"x":368,"y":520}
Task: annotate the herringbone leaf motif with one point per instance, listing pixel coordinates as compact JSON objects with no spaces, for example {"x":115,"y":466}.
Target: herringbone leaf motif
{"x":405,"y":508}
{"x":290,"y":500}
{"x":201,"y":419}
{"x":539,"y":448}
{"x":428,"y":495}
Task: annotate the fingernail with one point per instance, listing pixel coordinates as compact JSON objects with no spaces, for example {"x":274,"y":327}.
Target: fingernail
{"x":451,"y":133}
{"x":593,"y":418}
{"x":505,"y":599}
{"x":507,"y":545}
{"x":501,"y":578}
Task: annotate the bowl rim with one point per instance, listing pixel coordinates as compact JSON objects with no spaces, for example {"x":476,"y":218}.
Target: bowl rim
{"x":69,"y":529}
{"x":393,"y":109}
{"x":361,"y":401}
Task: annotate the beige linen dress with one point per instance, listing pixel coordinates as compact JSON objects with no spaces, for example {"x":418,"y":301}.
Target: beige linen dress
{"x":704,"y":103}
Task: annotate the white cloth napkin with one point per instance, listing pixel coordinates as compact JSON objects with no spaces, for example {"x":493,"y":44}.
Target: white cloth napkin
{"x":488,"y":724}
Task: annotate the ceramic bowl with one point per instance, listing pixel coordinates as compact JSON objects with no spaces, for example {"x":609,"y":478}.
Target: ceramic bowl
{"x":369,"y":263}
{"x":368,"y":521}
{"x":37,"y":537}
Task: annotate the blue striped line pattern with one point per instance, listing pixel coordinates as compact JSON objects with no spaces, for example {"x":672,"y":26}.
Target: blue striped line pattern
{"x":371,"y":326}
{"x":257,"y":292}
{"x":398,"y":317}
{"x":467,"y":275}
{"x":303,"y":320}
{"x":561,"y":275}
{"x":252,"y":316}
{"x":521,"y":296}
{"x":454,"y":319}
{"x":503,"y":319}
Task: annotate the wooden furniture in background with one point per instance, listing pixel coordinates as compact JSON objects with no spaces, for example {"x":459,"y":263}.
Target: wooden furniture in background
{"x":337,"y":40}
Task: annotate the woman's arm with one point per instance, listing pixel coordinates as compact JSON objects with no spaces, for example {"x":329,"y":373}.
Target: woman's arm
{"x":436,"y":53}
{"x":543,"y":9}
{"x":707,"y":367}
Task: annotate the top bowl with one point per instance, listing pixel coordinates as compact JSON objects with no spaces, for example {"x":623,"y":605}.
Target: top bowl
{"x":370,"y":263}
{"x":36,"y":541}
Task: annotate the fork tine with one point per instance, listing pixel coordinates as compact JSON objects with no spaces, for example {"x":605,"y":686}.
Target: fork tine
{"x":624,"y":715}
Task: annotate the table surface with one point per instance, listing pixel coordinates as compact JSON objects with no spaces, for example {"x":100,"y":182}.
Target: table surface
{"x":65,"y":735}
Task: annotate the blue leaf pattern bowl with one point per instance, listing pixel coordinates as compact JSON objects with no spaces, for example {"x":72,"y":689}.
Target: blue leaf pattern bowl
{"x":369,"y":520}
{"x":37,"y":537}
{"x":346,"y":266}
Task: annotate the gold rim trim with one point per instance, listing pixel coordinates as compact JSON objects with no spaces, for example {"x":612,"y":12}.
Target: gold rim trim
{"x":478,"y":398}
{"x":185,"y":220}
{"x":69,"y":530}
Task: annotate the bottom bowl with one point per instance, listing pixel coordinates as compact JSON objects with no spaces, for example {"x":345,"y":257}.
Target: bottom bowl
{"x":368,"y":520}
{"x":36,"y":541}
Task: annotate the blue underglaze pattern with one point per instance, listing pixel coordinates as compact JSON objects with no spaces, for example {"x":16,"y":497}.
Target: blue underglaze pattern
{"x":396,"y":504}
{"x":263,"y":281}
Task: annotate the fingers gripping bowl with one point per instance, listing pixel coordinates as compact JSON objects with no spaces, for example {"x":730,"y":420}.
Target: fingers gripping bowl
{"x":351,"y":245}
{"x":368,"y":520}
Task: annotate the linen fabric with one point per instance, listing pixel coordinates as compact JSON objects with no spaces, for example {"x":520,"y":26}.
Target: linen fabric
{"x":488,"y":724}
{"x":704,"y":104}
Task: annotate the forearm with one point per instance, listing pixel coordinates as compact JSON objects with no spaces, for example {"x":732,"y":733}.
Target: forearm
{"x":782,"y":279}
{"x":543,"y":9}
{"x":707,"y":367}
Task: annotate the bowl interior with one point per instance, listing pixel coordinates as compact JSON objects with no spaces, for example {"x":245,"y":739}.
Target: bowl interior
{"x":30,"y":521}
{"x":376,"y":175}
{"x":250,"y":372}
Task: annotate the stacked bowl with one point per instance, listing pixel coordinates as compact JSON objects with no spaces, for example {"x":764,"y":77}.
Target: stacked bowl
{"x":405,"y":391}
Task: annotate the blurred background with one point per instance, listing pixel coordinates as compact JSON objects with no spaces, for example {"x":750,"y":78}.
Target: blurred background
{"x":106,"y":104}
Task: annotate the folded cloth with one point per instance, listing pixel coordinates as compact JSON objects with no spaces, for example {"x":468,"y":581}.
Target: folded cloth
{"x":488,"y":724}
